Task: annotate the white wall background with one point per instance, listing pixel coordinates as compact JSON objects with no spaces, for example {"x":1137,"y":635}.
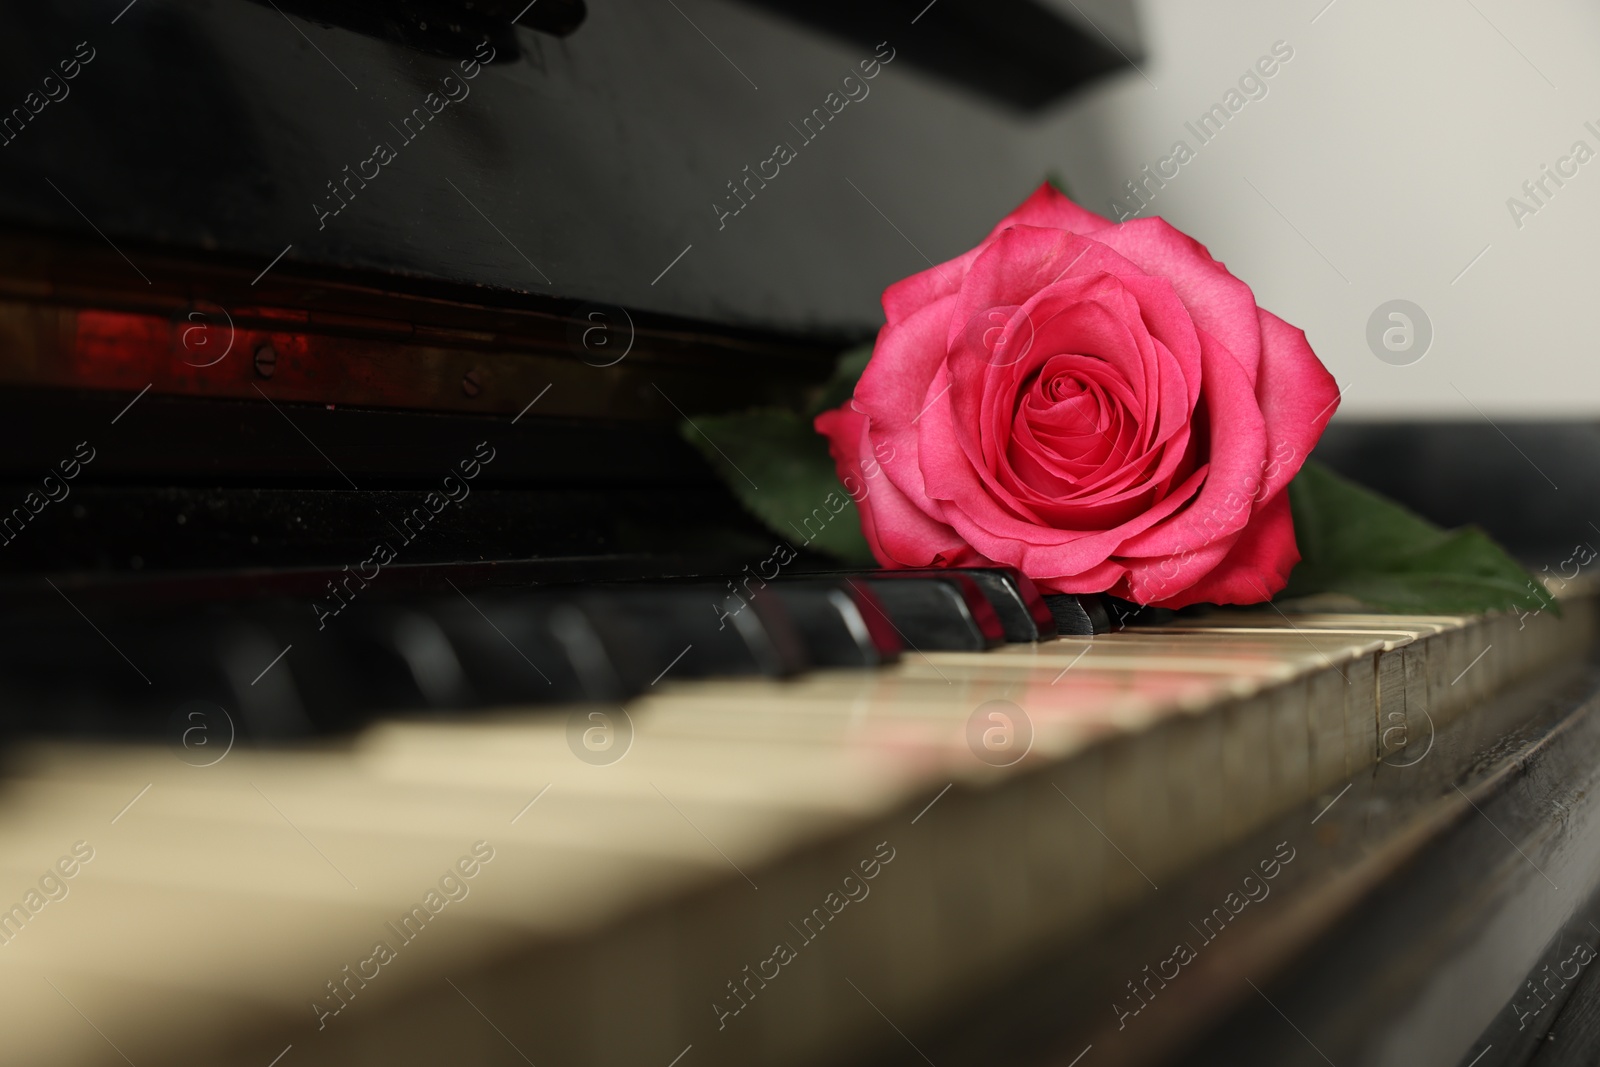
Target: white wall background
{"x":1387,"y":147}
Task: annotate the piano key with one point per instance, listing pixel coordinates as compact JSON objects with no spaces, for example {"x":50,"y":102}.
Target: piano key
{"x":1278,"y":636}
{"x":407,"y":655}
{"x":1326,"y":705}
{"x":528,"y":648}
{"x":1361,"y":714}
{"x":1078,"y":614}
{"x":1246,"y":769}
{"x":294,"y":954}
{"x":1221,"y":654}
{"x":241,"y":883}
{"x":695,"y":630}
{"x":1393,"y":682}
{"x":1420,"y":658}
{"x":49,"y":685}
{"x":374,"y":658}
{"x":1322,"y":620}
{"x":1439,"y":696}
{"x":1376,"y":716}
{"x":1196,"y":788}
{"x":1309,"y":733}
{"x":1021,"y":611}
{"x":1122,"y":614}
{"x":129,"y":1019}
{"x":925,"y":727}
{"x":1136,"y":812}
{"x":211,"y":658}
{"x":544,"y":885}
{"x":1416,"y":676}
{"x":383,"y":785}
{"x":938,"y":611}
{"x":843,"y":624}
{"x":1402,"y":699}
{"x":552,"y":871}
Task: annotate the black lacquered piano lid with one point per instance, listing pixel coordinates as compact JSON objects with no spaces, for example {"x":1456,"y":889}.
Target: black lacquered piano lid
{"x":597,"y":152}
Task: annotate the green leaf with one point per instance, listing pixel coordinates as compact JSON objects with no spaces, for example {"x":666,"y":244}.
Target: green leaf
{"x":1355,"y":542}
{"x":784,"y":476}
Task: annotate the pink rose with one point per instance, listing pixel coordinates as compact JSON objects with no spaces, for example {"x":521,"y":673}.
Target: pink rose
{"x":1102,"y":406}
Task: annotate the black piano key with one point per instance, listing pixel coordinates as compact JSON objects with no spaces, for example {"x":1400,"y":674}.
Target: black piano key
{"x":529,"y":648}
{"x":291,"y":677}
{"x":158,"y":665}
{"x":56,"y":682}
{"x":936,"y":613}
{"x":376,"y":657}
{"x":265,"y":690}
{"x":699,"y":631}
{"x":1079,"y":614}
{"x":403,"y":655}
{"x":414,"y":655}
{"x":602,"y":668}
{"x":1018,"y":602}
{"x":1020,"y":610}
{"x":842,"y":624}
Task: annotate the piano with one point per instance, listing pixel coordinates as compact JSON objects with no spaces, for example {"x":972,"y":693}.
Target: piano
{"x":387,"y":679}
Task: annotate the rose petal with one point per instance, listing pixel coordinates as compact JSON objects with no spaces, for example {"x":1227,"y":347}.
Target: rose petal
{"x":896,"y":387}
{"x":1101,"y":578}
{"x":1047,"y":206}
{"x":1203,"y":532}
{"x":1043,"y":475}
{"x":1255,"y":568}
{"x":898,"y":533}
{"x":1000,"y":535}
{"x":1297,"y":396}
{"x":1016,"y":264}
{"x":1219,"y":303}
{"x":909,"y":295}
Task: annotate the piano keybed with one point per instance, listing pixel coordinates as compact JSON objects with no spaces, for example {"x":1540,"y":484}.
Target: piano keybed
{"x":690,"y":881}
